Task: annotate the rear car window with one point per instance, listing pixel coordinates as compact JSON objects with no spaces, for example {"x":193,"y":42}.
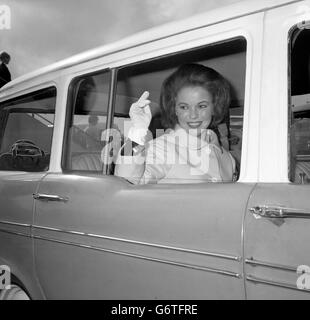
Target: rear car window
{"x":26,"y":131}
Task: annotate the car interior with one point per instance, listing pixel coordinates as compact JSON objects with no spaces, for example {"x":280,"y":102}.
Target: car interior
{"x":91,"y":98}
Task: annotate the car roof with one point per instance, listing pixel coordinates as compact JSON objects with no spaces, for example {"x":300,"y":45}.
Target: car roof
{"x":211,"y":17}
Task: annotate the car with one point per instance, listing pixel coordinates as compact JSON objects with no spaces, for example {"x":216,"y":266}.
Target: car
{"x":71,"y":229}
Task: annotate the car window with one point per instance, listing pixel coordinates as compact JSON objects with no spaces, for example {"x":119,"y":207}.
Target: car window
{"x":26,"y":131}
{"x":86,"y":122}
{"x":228,"y":58}
{"x":299,"y":130}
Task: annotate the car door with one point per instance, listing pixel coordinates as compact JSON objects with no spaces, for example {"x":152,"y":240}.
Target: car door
{"x":98,"y":236}
{"x":277,"y":237}
{"x":277,"y":222}
{"x":26,"y":124}
{"x":112,"y":240}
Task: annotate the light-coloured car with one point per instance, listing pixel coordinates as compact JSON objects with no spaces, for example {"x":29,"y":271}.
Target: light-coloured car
{"x":70,"y":229}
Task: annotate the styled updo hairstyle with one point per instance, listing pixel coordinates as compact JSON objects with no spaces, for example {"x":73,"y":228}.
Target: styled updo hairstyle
{"x":192,"y":75}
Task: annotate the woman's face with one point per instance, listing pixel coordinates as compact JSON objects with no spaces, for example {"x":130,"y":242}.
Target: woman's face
{"x":194,"y":109}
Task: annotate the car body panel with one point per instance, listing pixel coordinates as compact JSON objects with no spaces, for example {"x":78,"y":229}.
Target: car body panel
{"x":16,"y":245}
{"x":278,"y":245}
{"x":150,"y":229}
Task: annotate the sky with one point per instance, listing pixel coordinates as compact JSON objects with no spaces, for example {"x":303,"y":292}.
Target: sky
{"x":46,"y":31}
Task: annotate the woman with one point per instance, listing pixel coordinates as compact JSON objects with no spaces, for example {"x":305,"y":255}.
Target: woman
{"x":193,"y":99}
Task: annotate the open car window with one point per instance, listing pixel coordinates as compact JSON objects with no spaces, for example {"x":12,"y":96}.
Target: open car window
{"x":228,"y":58}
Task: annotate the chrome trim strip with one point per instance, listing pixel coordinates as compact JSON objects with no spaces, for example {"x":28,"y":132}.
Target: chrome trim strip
{"x":270,"y":265}
{"x":16,"y":233}
{"x":217,"y":271}
{"x":275,"y":284}
{"x":154,"y":245}
{"x":211,"y":254}
{"x":174,"y":263}
{"x":16,"y":224}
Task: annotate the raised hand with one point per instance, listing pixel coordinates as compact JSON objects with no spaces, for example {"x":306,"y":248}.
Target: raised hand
{"x":140,"y":112}
{"x":141,"y":116}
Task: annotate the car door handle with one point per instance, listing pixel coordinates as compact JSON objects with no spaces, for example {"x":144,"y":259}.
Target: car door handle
{"x":279,"y":212}
{"x":49,"y":197}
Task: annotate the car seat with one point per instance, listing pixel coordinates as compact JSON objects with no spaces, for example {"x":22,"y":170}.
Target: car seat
{"x":87,"y":162}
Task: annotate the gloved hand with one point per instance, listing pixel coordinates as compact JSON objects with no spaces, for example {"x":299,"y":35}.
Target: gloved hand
{"x":141,"y":116}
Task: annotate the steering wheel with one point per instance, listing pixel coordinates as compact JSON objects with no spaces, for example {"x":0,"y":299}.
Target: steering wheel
{"x":26,"y":148}
{"x":26,"y":156}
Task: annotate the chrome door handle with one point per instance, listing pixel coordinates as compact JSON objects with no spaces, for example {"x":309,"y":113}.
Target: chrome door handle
{"x":49,"y":197}
{"x":278,"y":212}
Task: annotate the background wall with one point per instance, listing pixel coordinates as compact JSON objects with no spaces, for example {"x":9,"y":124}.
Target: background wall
{"x":45,"y":31}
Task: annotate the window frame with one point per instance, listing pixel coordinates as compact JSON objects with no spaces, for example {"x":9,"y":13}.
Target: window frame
{"x":289,"y":104}
{"x":70,"y":107}
{"x":292,"y":159}
{"x":112,"y":97}
{"x":170,"y":55}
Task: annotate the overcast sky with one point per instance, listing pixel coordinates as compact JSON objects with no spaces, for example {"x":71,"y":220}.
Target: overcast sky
{"x":45,"y":31}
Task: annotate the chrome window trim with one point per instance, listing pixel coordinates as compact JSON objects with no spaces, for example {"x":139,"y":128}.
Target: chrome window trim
{"x":275,"y":283}
{"x":111,"y":111}
{"x":174,"y":263}
{"x":154,"y":245}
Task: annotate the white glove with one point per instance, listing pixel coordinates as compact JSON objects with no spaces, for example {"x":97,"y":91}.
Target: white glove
{"x":141,"y":116}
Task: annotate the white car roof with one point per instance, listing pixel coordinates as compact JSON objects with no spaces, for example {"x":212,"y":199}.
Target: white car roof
{"x":211,"y":17}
